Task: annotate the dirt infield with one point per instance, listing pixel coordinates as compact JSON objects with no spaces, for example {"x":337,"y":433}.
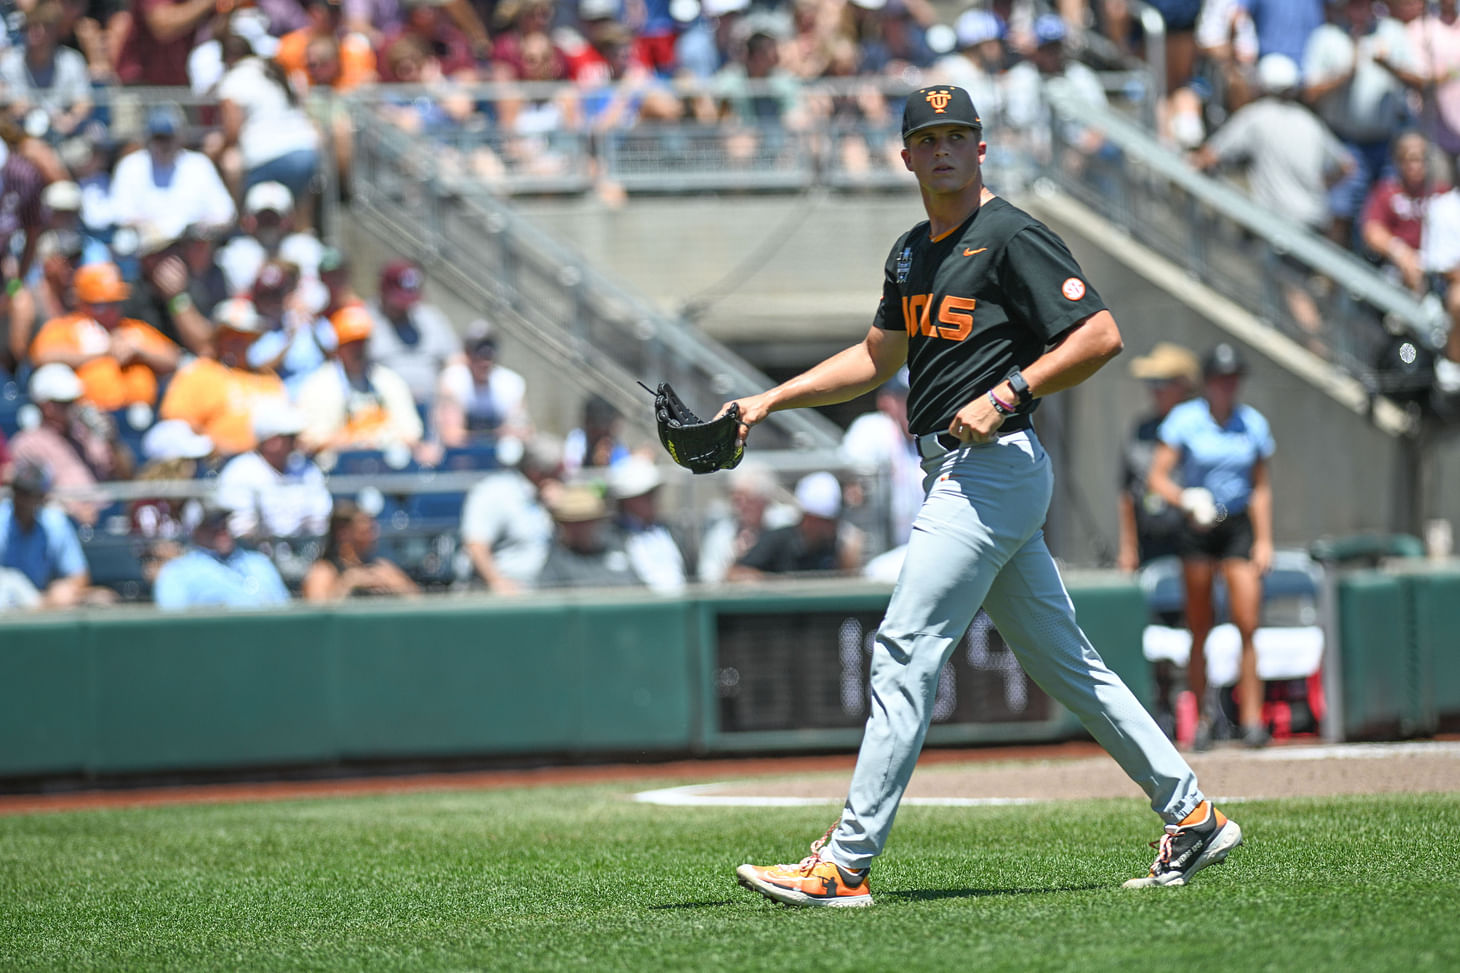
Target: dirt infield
{"x":1063,"y":771}
{"x":1302,"y":771}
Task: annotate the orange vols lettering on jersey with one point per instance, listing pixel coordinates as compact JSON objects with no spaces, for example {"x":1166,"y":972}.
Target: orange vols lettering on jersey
{"x":914,"y":307}
{"x":957,"y":314}
{"x":954,"y":313}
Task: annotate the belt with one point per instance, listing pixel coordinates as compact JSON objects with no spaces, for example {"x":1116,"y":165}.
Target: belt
{"x":935,"y":444}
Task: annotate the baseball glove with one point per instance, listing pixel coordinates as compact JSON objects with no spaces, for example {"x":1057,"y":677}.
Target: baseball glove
{"x":698,"y":446}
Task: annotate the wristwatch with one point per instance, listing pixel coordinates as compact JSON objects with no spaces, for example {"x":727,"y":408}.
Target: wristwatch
{"x":1021,"y":388}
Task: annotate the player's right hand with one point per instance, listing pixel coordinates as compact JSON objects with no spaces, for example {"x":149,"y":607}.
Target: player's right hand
{"x":753,"y":409}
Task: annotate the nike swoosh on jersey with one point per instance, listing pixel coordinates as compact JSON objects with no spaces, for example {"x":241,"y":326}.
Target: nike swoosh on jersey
{"x":968,"y":253}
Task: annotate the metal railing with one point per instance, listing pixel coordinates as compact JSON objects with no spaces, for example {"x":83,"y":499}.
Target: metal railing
{"x":1279,"y":271}
{"x":1327,"y":299}
{"x":599,"y":334}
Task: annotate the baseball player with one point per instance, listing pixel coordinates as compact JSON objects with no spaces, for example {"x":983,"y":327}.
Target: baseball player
{"x":990,"y":312}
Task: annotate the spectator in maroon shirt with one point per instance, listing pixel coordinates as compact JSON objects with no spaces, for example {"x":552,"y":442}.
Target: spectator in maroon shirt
{"x":1395,"y":209}
{"x":162,"y":35}
{"x":427,"y":21}
{"x":516,"y":19}
{"x":21,"y":184}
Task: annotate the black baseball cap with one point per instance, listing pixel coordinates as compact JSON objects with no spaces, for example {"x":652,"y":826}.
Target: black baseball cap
{"x":1223,"y":359}
{"x":941,"y":104}
{"x":31,"y":479}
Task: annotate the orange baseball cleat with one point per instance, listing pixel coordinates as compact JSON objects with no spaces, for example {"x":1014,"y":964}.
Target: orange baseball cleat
{"x":814,"y":881}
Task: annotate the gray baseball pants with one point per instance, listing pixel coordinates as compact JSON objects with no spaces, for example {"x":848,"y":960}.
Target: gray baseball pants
{"x":978,"y":540}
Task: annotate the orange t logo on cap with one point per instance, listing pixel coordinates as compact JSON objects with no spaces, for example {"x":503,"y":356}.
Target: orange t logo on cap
{"x":939,"y":100}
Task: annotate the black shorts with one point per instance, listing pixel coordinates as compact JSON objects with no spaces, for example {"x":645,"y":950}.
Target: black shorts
{"x":1230,"y":538}
{"x":1179,"y":15}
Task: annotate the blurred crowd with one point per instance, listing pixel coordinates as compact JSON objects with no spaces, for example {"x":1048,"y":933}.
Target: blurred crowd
{"x":170,"y":311}
{"x":267,"y":525}
{"x":1341,"y":116}
{"x":171,"y":314}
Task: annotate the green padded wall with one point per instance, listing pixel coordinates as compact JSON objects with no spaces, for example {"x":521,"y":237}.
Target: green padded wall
{"x":45,"y":698}
{"x":1375,"y":654}
{"x":102,"y":693}
{"x":1435,"y":601}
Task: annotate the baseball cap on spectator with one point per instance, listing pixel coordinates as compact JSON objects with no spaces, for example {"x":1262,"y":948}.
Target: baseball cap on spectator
{"x":577,"y":504}
{"x":820,"y":495}
{"x":210,"y":515}
{"x":175,"y":439}
{"x":597,"y":9}
{"x":31,"y":479}
{"x":1223,"y":359}
{"x":212,"y":232}
{"x":940,"y":104}
{"x":66,"y":243}
{"x":351,"y":323}
{"x":164,"y":120}
{"x":252,"y":25}
{"x":633,"y":477}
{"x":401,"y":282}
{"x":276,"y":417}
{"x":1049,"y":29}
{"x":153,"y":238}
{"x":542,"y":453}
{"x":238,"y":314}
{"x":55,"y":382}
{"x":1166,"y":361}
{"x":480,"y":339}
{"x":100,"y":284}
{"x":273,"y":196}
{"x":719,"y":8}
{"x":976,"y":26}
{"x":63,"y":195}
{"x":1277,"y":73}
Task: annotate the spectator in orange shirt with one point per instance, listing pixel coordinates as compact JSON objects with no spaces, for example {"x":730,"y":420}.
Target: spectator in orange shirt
{"x":118,"y":359}
{"x":301,"y":59}
{"x":216,"y":396}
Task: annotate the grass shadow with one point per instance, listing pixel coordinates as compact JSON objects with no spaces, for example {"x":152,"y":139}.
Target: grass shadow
{"x":914,"y":895}
{"x":929,"y":895}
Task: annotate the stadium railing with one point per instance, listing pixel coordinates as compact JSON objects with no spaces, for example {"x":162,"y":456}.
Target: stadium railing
{"x":1220,"y":236}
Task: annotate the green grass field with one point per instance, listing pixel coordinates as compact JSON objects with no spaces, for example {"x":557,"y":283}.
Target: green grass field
{"x":582,"y":878}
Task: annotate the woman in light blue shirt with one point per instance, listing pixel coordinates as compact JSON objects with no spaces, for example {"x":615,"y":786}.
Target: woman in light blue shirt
{"x":1221,"y":448}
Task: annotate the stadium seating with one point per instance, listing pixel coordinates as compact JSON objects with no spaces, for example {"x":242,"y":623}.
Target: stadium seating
{"x":474,"y":456}
{"x":427,"y":554}
{"x":115,"y":562}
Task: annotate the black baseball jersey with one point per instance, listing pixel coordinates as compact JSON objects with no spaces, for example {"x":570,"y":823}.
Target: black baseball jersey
{"x":980,"y":301}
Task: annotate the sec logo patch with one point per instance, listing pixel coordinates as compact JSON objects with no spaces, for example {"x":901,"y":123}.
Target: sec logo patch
{"x":1073,"y":288}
